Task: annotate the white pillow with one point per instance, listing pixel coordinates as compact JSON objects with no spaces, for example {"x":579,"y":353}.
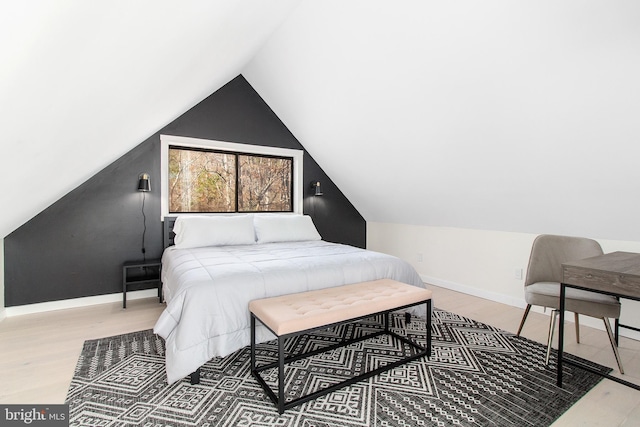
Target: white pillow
{"x":207,"y":230}
{"x":284,"y":228}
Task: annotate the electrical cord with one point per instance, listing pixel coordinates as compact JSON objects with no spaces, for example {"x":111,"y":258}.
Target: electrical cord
{"x":144,"y":229}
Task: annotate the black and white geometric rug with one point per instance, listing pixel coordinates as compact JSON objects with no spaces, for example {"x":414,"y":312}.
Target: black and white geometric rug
{"x":477,"y":376}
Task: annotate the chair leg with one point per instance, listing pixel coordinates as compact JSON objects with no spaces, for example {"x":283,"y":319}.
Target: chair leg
{"x":575,"y":315}
{"x":612,"y":339}
{"x":524,"y":317}
{"x":552,"y":327}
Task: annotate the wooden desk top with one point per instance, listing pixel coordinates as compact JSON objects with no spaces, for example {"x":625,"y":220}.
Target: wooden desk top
{"x":617,"y":273}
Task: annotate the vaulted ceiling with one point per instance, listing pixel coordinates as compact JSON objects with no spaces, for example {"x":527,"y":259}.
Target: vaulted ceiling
{"x":83,"y":82}
{"x":515,"y":116}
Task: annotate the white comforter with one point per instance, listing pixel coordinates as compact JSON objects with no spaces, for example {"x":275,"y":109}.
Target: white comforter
{"x":208,"y":290}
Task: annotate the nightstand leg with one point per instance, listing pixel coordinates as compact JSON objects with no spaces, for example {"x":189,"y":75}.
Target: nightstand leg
{"x":124,"y":288}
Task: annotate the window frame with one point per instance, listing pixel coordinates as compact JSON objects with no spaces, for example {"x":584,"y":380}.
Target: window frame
{"x":233,"y":148}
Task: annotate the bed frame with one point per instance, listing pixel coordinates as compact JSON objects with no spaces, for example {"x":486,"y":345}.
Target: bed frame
{"x":168,"y":234}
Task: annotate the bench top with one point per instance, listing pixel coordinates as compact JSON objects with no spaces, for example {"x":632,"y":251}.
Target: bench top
{"x":313,"y":309}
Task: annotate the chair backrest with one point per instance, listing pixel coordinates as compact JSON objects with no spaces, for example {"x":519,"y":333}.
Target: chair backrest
{"x":549,"y":252}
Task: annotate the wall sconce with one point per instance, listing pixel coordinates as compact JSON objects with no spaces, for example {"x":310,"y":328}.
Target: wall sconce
{"x":143,"y":182}
{"x":144,"y":186}
{"x":316,"y":185}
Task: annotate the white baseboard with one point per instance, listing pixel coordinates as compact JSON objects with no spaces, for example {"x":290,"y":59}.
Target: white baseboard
{"x":77,"y":302}
{"x":518,"y":302}
{"x":476,"y":292}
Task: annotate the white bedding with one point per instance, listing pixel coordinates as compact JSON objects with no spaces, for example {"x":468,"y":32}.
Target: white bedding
{"x":208,"y":290}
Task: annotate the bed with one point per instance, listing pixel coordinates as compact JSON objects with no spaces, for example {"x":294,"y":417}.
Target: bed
{"x":220,"y":263}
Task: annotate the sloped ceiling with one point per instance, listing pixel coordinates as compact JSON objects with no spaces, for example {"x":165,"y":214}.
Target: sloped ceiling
{"x":83,"y":82}
{"x":516,"y":116}
{"x":503,"y":115}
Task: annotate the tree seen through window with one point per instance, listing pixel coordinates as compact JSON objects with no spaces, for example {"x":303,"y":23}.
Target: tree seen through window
{"x":215,"y":181}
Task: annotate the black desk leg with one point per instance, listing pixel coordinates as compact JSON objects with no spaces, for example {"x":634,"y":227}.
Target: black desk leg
{"x":429,"y":329}
{"x":563,"y":291}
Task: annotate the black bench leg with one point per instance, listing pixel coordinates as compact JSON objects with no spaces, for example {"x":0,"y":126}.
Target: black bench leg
{"x":195,"y":377}
{"x":281,"y":375}
{"x":253,"y":343}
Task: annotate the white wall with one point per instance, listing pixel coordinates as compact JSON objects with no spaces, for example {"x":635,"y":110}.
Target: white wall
{"x":478,"y":262}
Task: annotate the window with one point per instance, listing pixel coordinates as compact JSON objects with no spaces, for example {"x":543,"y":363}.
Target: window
{"x":208,"y":181}
{"x":202,"y":176}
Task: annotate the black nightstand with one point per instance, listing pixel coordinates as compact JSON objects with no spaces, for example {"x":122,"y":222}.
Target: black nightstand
{"x":138,"y":275}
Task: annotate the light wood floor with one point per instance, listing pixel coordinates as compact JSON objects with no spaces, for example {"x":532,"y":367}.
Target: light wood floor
{"x":38,"y":352}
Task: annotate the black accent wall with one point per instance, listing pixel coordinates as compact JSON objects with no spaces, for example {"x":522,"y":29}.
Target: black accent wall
{"x":76,"y":247}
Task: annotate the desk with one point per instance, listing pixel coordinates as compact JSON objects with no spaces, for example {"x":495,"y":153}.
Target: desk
{"x":616,"y":273}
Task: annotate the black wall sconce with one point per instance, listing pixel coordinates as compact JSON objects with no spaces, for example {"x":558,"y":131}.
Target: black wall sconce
{"x":318,"y":189}
{"x":143,"y":182}
{"x":144,"y":186}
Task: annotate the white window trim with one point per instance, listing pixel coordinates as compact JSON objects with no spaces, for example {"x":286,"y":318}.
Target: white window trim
{"x":183,"y":141}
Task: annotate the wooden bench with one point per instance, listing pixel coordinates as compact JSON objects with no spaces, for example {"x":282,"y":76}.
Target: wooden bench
{"x":296,"y":314}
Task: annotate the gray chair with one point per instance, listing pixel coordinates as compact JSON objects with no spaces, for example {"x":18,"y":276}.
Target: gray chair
{"x":542,"y":285}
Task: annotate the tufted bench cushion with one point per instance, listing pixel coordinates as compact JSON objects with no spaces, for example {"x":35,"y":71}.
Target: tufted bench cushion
{"x":313,"y":309}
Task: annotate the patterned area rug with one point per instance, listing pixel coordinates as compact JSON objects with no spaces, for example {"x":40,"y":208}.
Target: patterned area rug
{"x":477,"y":376}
